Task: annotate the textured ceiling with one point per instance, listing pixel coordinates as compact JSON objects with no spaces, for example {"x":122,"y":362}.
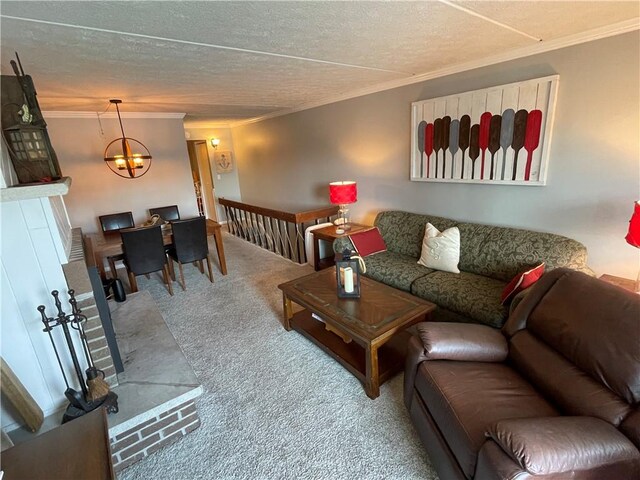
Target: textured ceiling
{"x":227,"y":61}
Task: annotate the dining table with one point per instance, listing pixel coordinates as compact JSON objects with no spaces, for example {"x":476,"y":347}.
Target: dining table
{"x":100,"y":246}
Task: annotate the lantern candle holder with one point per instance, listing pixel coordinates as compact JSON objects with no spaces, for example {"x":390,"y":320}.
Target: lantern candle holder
{"x":348,"y":270}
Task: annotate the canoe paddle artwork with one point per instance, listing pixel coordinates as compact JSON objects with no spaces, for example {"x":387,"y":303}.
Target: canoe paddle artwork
{"x":519,"y":130}
{"x":446,"y":124}
{"x":437,"y":141}
{"x":474,"y":148}
{"x":453,"y":142}
{"x":428,"y":143}
{"x":421,"y":128}
{"x":493,"y":125}
{"x":494,"y":141}
{"x":463,"y":138}
{"x":532,"y":138}
{"x":485,"y":121}
{"x":506,"y":136}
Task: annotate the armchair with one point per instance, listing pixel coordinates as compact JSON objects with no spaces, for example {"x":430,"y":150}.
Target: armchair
{"x":553,"y":395}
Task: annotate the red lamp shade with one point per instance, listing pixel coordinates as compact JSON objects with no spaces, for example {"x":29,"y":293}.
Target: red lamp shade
{"x":343,"y":193}
{"x":633,"y":237}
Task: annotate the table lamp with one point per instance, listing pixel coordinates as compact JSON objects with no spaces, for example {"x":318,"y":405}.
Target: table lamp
{"x":633,"y":236}
{"x":343,"y":194}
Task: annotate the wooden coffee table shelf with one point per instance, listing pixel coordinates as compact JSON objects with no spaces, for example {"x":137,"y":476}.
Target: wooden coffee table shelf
{"x":367,"y":335}
{"x":351,"y":355}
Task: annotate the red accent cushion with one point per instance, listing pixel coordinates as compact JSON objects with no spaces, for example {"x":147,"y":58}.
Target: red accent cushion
{"x":369,"y":242}
{"x":520,"y":282}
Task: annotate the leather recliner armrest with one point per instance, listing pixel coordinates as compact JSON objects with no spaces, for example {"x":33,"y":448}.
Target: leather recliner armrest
{"x":462,"y":342}
{"x":554,"y":445}
{"x":517,"y":299}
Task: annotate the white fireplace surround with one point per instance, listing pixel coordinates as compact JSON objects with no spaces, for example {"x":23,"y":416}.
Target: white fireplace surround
{"x":36,"y":242}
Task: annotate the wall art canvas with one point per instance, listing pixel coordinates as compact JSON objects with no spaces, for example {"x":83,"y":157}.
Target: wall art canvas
{"x":224,"y":161}
{"x":499,"y":135}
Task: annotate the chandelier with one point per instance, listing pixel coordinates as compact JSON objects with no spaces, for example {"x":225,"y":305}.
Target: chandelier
{"x":122,"y":159}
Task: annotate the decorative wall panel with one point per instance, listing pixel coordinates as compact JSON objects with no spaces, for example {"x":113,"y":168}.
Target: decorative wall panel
{"x":498,"y":135}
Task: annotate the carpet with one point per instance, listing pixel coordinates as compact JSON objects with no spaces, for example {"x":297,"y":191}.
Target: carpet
{"x":274,"y":405}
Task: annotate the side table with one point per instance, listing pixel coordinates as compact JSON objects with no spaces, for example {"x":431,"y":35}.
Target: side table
{"x":328,"y":234}
{"x":77,"y":449}
{"x":625,"y":283}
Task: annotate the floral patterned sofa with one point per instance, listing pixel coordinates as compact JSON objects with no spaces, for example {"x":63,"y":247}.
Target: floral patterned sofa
{"x":489,"y":258}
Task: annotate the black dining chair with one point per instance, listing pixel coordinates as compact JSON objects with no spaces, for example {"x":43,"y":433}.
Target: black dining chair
{"x":111,"y":225}
{"x":168,"y":213}
{"x":144,"y":253}
{"x":189,"y":246}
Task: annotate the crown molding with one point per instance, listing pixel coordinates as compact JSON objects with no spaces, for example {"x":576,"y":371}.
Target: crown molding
{"x":79,"y":114}
{"x":534,"y":49}
{"x":190,"y":125}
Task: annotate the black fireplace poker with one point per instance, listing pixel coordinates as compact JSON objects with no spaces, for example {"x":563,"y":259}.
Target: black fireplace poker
{"x":79,"y":402}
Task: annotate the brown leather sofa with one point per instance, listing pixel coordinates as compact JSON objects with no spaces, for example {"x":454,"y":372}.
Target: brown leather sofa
{"x":554,"y":395}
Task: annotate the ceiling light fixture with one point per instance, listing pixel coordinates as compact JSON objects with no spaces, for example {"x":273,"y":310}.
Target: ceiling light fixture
{"x":123,"y":161}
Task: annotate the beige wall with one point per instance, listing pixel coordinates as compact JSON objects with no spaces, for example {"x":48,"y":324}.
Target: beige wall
{"x":594,"y":169}
{"x":95,"y":190}
{"x":226,"y":185}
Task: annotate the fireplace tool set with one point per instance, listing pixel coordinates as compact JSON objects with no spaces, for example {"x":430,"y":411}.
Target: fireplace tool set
{"x":95,"y":391}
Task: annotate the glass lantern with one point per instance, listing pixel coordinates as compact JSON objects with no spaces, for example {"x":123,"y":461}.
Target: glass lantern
{"x":348,"y":275}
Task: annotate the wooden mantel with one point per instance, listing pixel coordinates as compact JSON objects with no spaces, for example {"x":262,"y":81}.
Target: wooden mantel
{"x":40,"y":190}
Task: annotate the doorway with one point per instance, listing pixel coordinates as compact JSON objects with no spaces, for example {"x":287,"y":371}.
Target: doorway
{"x":202,"y":178}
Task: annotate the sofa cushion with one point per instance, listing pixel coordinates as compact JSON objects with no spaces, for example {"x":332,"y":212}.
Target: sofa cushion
{"x":521,"y":282}
{"x":569,"y":388}
{"x":575,"y":318}
{"x":394,"y":269}
{"x":403,"y":231}
{"x":502,"y":253}
{"x":368,"y":242}
{"x":482,"y":394}
{"x":441,"y":250}
{"x":474,"y":296}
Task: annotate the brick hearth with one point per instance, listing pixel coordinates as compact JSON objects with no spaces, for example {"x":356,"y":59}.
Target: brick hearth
{"x":153,"y":434}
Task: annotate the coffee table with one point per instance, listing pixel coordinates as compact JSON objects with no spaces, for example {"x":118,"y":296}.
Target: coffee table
{"x":366,"y":335}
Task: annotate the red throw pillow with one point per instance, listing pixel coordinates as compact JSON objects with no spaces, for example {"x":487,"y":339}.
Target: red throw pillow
{"x":520,"y":282}
{"x":369,"y":242}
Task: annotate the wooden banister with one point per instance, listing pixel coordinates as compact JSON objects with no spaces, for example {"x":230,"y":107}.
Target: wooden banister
{"x":288,"y":215}
{"x":280,"y":230}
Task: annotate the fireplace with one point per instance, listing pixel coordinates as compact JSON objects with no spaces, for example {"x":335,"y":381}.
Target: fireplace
{"x":83,"y":278}
{"x":156,"y":388}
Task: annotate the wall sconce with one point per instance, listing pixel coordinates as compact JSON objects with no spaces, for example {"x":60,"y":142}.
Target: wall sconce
{"x":215,"y":142}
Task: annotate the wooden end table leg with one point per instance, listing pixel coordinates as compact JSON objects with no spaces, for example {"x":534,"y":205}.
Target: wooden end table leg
{"x":372,"y":385}
{"x":287,"y":312}
{"x":316,"y":252}
{"x":220,"y":249}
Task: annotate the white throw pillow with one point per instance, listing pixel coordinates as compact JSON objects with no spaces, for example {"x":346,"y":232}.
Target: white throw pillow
{"x":441,"y":250}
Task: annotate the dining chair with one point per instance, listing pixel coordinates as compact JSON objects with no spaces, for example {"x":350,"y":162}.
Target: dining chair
{"x":111,"y":225}
{"x":144,"y":253}
{"x":168,"y":213}
{"x":115,"y":222}
{"x":189,"y":246}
